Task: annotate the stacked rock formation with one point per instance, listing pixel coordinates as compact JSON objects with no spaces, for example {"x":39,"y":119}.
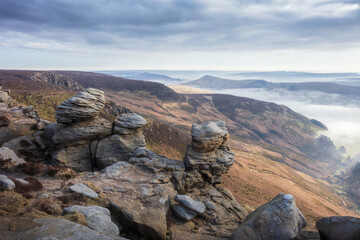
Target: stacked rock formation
{"x":208,"y":156}
{"x":84,"y":142}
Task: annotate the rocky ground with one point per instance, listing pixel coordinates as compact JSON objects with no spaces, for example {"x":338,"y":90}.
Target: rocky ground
{"x":103,"y":183}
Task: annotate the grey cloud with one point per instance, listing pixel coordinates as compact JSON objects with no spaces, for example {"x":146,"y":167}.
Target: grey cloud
{"x":185,"y":24}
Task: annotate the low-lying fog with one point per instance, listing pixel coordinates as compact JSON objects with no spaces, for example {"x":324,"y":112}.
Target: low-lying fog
{"x":339,"y":113}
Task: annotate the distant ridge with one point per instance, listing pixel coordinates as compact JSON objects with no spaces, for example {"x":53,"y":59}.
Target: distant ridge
{"x":154,"y":77}
{"x":212,"y":82}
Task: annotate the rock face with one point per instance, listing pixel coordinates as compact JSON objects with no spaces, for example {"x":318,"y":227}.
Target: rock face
{"x":55,"y":228}
{"x":278,"y":219}
{"x":83,"y":106}
{"x":188,"y":208}
{"x":337,"y":227}
{"x":97,"y":218}
{"x":208,"y":156}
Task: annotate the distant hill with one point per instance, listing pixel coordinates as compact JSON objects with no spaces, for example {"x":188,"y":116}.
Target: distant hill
{"x":155,"y":77}
{"x":212,"y":82}
{"x":294,"y":74}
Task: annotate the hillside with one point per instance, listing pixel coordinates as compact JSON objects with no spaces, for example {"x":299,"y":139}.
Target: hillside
{"x":267,"y":138}
{"x":211,"y":82}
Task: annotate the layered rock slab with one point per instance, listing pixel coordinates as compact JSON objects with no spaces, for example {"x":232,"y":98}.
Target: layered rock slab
{"x":83,"y":106}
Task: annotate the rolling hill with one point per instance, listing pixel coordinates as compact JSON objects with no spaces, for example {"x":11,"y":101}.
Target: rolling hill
{"x":211,"y":82}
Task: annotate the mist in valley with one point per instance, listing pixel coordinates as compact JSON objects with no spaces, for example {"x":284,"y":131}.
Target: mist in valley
{"x":338,"y":112}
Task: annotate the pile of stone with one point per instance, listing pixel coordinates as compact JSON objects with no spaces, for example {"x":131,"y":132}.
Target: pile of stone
{"x":208,"y":156}
{"x":83,"y":141}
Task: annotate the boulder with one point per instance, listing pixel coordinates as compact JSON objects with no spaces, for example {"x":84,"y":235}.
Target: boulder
{"x":279,"y":219}
{"x":82,"y":132}
{"x":16,"y":122}
{"x":6,"y":184}
{"x":5,"y":99}
{"x":97,"y":218}
{"x":83,"y":106}
{"x":128,"y":123}
{"x":139,"y":200}
{"x":82,"y":189}
{"x":51,"y":228}
{"x":117,"y":147}
{"x":23,"y":147}
{"x":189,"y":203}
{"x":8,"y":154}
{"x":183,"y":213}
{"x":75,"y":157}
{"x":338,"y":227}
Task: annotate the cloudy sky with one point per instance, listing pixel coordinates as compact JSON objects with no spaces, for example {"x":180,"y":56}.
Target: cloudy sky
{"x":307,"y":35}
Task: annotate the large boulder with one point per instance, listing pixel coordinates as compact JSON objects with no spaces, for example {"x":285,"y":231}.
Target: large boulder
{"x":49,"y":228}
{"x":338,"y":227}
{"x":97,"y":218}
{"x":279,"y":219}
{"x":83,"y":106}
{"x":139,"y":200}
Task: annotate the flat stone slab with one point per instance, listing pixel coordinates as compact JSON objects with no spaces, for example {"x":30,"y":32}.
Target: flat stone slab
{"x":84,"y":190}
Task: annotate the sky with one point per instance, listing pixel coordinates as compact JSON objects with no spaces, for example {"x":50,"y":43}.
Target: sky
{"x":255,"y":35}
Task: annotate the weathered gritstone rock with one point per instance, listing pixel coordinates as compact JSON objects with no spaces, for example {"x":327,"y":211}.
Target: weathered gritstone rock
{"x":8,"y":154}
{"x":208,"y":156}
{"x":337,"y":227}
{"x":76,"y":157}
{"x":5,"y":99}
{"x":97,"y":218}
{"x":128,"y":123}
{"x":54,"y":228}
{"x":189,"y":203}
{"x":83,"y":106}
{"x":83,"y":132}
{"x":6,"y":184}
{"x":16,"y":122}
{"x":279,"y":219}
{"x":84,"y":190}
{"x":142,"y":203}
{"x":117,"y":147}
